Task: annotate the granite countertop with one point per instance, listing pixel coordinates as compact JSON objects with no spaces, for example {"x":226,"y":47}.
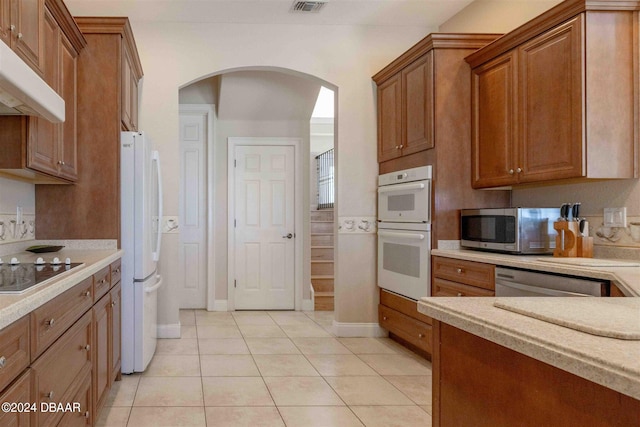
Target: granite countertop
{"x":613,"y":363}
{"x":627,"y":279}
{"x":15,"y":306}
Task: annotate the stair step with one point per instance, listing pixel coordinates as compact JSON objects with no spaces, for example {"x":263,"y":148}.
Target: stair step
{"x":321,"y":268}
{"x":321,"y":227}
{"x":325,"y":239}
{"x":323,"y":301}
{"x":321,"y":253}
{"x":325,"y":214}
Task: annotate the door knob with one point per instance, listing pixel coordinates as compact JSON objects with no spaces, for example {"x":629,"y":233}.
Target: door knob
{"x":288,"y":236}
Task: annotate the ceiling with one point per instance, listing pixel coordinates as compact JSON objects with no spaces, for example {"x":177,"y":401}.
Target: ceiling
{"x":425,"y":13}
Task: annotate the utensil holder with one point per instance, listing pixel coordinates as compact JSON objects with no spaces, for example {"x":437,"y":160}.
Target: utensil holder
{"x":566,"y":240}
{"x":585,"y":246}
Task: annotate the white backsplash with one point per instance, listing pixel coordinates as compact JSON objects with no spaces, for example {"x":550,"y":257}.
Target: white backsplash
{"x":13,"y":230}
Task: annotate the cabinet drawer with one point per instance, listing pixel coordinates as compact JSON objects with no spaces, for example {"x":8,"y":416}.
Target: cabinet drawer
{"x":101,"y":283}
{"x":14,"y":351}
{"x":50,"y":321}
{"x":409,"y":329}
{"x":445,"y":288}
{"x":19,"y":392}
{"x":467,"y":272}
{"x":404,"y":305}
{"x":116,"y":272}
{"x":61,"y":366}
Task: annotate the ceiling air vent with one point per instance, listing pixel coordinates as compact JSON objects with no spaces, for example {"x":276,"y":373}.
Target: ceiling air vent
{"x":307,"y":6}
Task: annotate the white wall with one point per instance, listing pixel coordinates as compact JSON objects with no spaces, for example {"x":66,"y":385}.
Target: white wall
{"x":17,"y":193}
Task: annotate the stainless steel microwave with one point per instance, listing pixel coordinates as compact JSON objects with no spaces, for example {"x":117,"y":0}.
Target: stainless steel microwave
{"x":511,"y":230}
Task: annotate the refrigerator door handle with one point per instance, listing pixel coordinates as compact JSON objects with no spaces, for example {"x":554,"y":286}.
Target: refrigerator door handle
{"x":155,"y":287}
{"x":155,"y":156}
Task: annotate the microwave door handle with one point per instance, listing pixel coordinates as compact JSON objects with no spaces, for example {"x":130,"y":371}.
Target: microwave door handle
{"x":406,"y":236}
{"x":538,"y":289}
{"x":401,"y":187}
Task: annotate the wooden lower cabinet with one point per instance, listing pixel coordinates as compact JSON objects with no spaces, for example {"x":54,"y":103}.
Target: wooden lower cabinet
{"x":116,"y":336}
{"x":399,"y":315}
{"x":19,"y":392}
{"x":14,"y":351}
{"x":101,"y":374}
{"x":83,"y":416}
{"x":60,"y":366}
{"x":482,"y":384}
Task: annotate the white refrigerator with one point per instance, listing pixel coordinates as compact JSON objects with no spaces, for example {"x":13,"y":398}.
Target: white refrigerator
{"x":141,"y":213}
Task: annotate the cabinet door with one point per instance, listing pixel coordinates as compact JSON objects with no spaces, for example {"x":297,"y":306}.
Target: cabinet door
{"x":28,"y":18}
{"x":493,"y":131}
{"x":42,"y":149}
{"x":116,"y":336}
{"x":102,"y":351}
{"x":551,"y":104}
{"x":5,"y":21}
{"x":83,"y":417}
{"x":19,"y":392}
{"x":389,"y":119}
{"x":68,"y":130}
{"x":127,"y":90}
{"x":417,"y":96}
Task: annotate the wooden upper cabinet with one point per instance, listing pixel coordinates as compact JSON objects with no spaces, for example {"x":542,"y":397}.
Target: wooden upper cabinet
{"x":5,"y":21}
{"x":493,"y":147}
{"x":551,"y":107}
{"x":130,"y":79}
{"x":27,"y":20}
{"x":405,"y":110}
{"x":556,"y":99}
{"x":417,"y":105}
{"x":68,"y":147}
{"x":389,"y":119}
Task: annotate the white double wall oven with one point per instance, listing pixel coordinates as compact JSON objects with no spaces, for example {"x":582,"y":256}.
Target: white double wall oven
{"x":404,"y":232}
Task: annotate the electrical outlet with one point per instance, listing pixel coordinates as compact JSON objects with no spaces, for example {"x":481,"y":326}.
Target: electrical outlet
{"x":615,"y":217}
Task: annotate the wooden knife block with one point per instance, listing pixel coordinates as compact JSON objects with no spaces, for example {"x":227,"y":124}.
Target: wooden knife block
{"x":569,"y":242}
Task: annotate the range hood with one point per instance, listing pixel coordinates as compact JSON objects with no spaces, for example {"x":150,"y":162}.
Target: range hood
{"x":23,"y":92}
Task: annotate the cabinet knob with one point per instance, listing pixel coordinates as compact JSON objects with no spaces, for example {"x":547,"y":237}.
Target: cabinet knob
{"x":384,"y":317}
{"x":113,"y":303}
{"x":117,"y":270}
{"x":50,"y":322}
{"x":459,"y":294}
{"x":3,"y":361}
{"x":459,"y":271}
{"x":49,"y":395}
{"x":62,"y":163}
{"x":519,"y":170}
{"x":397,"y":147}
{"x":87,"y":294}
{"x":103,"y":281}
{"x":420,"y":336}
{"x":401,"y":146}
{"x":87,"y":347}
{"x":510,"y":171}
{"x":12,"y":28}
{"x":86,"y":414}
{"x":19,"y":36}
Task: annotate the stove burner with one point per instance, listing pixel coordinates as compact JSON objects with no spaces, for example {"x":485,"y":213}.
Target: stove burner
{"x":15,"y":279}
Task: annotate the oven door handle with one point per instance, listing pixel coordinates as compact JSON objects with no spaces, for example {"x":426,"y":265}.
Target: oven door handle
{"x":538,"y":289}
{"x":401,"y":187}
{"x":406,"y":236}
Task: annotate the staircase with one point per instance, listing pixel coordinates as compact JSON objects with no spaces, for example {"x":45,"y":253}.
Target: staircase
{"x":322,"y":259}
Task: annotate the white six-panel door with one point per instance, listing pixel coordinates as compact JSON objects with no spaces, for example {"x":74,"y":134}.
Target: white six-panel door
{"x":193,"y":208}
{"x":264,"y":227}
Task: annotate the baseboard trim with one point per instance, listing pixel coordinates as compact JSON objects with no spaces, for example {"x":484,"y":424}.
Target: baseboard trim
{"x":352,"y":330}
{"x":169,"y":331}
{"x":221,"y":305}
{"x":307,"y":304}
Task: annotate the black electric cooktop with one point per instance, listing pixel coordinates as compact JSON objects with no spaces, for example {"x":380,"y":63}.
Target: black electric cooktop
{"x":15,"y":279}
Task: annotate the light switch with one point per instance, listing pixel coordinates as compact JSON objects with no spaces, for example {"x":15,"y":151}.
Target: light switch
{"x":615,"y":217}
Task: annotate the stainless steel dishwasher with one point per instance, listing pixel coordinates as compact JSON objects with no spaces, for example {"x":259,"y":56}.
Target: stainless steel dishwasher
{"x":512,"y":282}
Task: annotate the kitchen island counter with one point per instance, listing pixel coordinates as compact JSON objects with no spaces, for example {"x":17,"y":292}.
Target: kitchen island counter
{"x":612,"y":363}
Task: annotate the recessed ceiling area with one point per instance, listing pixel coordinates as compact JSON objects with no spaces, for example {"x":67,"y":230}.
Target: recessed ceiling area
{"x":425,"y":13}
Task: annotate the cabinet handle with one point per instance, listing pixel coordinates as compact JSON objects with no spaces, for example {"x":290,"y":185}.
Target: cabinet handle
{"x":3,"y":361}
{"x":519,"y":170}
{"x":87,"y":347}
{"x":460,"y":271}
{"x":50,"y":322}
{"x":49,"y":395}
{"x":459,"y":294}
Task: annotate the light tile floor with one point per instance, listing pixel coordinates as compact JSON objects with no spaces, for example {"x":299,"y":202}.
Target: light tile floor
{"x":272,"y":369}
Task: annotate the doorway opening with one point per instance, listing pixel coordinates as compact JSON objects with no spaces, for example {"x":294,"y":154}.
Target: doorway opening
{"x":253,"y":102}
